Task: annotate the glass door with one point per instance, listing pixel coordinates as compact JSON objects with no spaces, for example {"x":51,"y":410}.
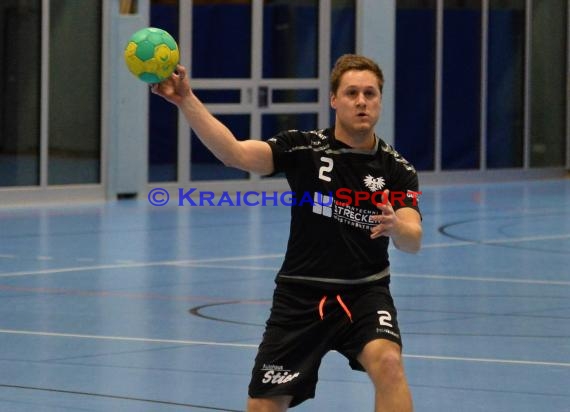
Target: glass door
{"x":260,"y":66}
{"x":49,"y":110}
{"x":256,"y":66}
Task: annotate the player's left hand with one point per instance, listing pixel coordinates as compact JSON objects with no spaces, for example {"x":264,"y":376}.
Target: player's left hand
{"x":387,"y":221}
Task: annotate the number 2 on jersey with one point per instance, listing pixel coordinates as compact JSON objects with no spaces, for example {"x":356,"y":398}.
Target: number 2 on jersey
{"x":325,"y":168}
{"x":385,"y":318}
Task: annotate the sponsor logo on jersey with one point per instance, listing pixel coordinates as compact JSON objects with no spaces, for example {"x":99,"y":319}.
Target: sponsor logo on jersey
{"x":322,"y":204}
{"x":327,"y":206}
{"x":345,"y":205}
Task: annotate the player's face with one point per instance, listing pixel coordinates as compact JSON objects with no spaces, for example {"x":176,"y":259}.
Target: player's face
{"x":358,"y":102}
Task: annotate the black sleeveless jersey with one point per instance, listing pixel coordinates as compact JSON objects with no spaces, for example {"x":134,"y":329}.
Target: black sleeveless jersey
{"x":334,"y":189}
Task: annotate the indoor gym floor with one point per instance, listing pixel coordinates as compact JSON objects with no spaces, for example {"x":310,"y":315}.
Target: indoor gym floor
{"x":124,"y":306}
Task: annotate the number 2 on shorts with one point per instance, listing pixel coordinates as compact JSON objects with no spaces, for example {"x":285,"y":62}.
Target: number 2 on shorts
{"x":385,"y":318}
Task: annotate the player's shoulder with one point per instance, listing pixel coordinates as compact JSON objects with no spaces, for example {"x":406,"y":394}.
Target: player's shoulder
{"x":391,"y":154}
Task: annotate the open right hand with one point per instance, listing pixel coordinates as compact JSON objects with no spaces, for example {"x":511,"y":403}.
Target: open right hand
{"x":174,"y":89}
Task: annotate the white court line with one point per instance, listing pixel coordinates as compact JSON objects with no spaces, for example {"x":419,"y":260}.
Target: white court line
{"x":210,"y":263}
{"x":484,"y":279}
{"x":253,"y":346}
{"x":489,"y":360}
{"x":461,"y":243}
{"x":125,"y":338}
{"x":416,"y":276}
{"x":127,"y":265}
{"x":136,"y":265}
{"x":457,"y":243}
{"x":239,"y":267}
{"x":404,"y":275}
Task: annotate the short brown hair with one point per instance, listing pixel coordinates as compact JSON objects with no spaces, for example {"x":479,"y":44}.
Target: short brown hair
{"x":348,"y":62}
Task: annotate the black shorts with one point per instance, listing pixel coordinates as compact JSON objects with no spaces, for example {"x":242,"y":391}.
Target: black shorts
{"x":306,"y":323}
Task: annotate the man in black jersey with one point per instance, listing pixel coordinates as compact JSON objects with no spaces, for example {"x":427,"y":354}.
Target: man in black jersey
{"x":352,"y":192}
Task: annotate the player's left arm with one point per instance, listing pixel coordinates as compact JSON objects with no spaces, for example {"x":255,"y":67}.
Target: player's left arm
{"x":404,"y":226}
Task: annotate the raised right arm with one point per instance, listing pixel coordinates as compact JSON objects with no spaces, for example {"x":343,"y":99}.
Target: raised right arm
{"x":250,"y":155}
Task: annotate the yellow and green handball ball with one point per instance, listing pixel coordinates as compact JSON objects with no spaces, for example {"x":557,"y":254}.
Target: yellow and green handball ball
{"x":152,"y":54}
